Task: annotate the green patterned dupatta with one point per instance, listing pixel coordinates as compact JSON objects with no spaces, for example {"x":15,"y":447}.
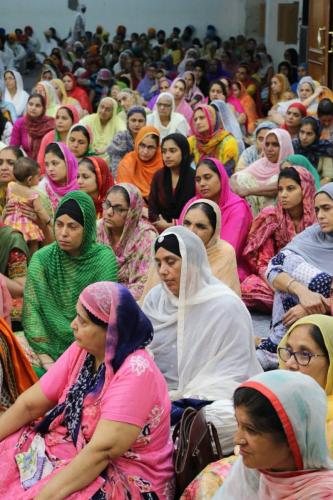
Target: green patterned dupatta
{"x":55,"y":281}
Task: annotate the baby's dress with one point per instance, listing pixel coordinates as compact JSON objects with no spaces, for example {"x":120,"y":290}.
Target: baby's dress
{"x":30,"y":230}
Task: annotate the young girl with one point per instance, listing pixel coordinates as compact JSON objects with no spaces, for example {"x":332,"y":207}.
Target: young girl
{"x":21,"y":191}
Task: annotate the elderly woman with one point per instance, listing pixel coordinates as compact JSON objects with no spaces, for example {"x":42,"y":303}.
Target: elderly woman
{"x":123,"y":141}
{"x":58,"y":273}
{"x":165,"y":118}
{"x":104,"y":124}
{"x":301,"y":275}
{"x":254,"y":152}
{"x":129,"y":235}
{"x":273,"y":413}
{"x":185,"y":328}
{"x":104,"y":431}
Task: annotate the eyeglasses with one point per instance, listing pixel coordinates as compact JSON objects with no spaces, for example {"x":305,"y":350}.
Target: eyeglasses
{"x":116,"y":209}
{"x":162,"y":105}
{"x":302,"y":358}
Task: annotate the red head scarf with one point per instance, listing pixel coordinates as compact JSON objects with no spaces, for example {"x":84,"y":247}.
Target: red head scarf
{"x":104,"y":181}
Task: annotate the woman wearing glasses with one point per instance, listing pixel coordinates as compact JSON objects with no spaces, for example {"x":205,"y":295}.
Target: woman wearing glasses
{"x":165,"y":118}
{"x":308,"y":348}
{"x":128,"y":234}
{"x":139,"y":166}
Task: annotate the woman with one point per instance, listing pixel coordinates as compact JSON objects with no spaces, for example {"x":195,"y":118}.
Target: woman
{"x":203,"y":218}
{"x":29,"y":130}
{"x":294,"y":116}
{"x":193,"y":93}
{"x":178,"y":90}
{"x":7,"y":109}
{"x":8,"y":156}
{"x":273,"y":414}
{"x":139,"y":166}
{"x":95,"y":179}
{"x":79,"y":141}
{"x":301,"y":275}
{"x":301,"y":161}
{"x":273,"y":229}
{"x":126,"y":99}
{"x":58,"y":273}
{"x":278,"y":87}
{"x":78,"y":93}
{"x":248,"y":105}
{"x":129,"y":235}
{"x":64,"y":99}
{"x":66,"y":116}
{"x":165,"y":118}
{"x":173,"y":185}
{"x":307,"y":347}
{"x":211,"y":182}
{"x":14,"y":257}
{"x":258,"y":182}
{"x":210,"y":140}
{"x":16,"y":374}
{"x":218,"y":91}
{"x":104,"y":124}
{"x":47,"y":90}
{"x":14,"y":92}
{"x":254,"y":152}
{"x":319,"y":152}
{"x":104,"y":393}
{"x":123,"y":142}
{"x":60,"y":173}
{"x":163,"y":85}
{"x":183,"y":330}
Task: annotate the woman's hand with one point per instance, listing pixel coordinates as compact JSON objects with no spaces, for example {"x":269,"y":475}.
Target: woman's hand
{"x":161,"y":224}
{"x":25,"y":209}
{"x":312,"y":302}
{"x":294,"y":313}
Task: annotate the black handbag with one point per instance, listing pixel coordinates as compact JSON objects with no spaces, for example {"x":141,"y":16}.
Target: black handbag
{"x":196,"y":444}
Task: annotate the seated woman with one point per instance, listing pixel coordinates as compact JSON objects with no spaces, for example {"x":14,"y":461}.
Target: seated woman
{"x":248,"y":105}
{"x":77,"y":92}
{"x":273,"y":413}
{"x":8,"y":157}
{"x":126,"y":99}
{"x":178,"y":90}
{"x":105,"y":412}
{"x":46,"y":89}
{"x":79,"y":141}
{"x":66,"y":116}
{"x":173,"y":185}
{"x":165,"y":118}
{"x":254,"y":152}
{"x":308,"y":93}
{"x":123,"y":142}
{"x":14,"y":91}
{"x":210,"y":140}
{"x":58,"y":273}
{"x":128,"y":234}
{"x":273,"y":229}
{"x":212,"y":183}
{"x":60,"y":172}
{"x":307,"y":347}
{"x":318,"y":151}
{"x":193,"y":93}
{"x":139,"y":166}
{"x":258,"y":182}
{"x":301,"y":275}
{"x":301,"y":161}
{"x":14,"y":257}
{"x":104,"y":124}
{"x":16,"y":374}
{"x":183,"y":331}
{"x":278,"y":87}
{"x":293,"y":119}
{"x":94,"y":178}
{"x":64,"y":99}
{"x":29,"y":130}
{"x":203,"y":217}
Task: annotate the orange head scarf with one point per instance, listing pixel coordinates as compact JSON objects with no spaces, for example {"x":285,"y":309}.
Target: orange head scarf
{"x":136,"y":171}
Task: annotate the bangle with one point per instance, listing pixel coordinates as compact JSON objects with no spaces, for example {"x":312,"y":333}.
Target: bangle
{"x":289,"y":283}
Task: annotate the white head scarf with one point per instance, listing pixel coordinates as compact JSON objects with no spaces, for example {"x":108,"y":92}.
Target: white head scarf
{"x":229,"y":122}
{"x":21,"y":97}
{"x":209,"y":322}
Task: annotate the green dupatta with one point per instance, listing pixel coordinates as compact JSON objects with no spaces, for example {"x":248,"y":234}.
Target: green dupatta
{"x":10,"y":240}
{"x":55,"y":281}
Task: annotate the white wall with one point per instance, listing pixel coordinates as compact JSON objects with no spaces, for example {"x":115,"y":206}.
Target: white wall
{"x":227,"y":15}
{"x":274,"y":48}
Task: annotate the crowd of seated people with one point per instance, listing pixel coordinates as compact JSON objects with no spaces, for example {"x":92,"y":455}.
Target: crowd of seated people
{"x":156,"y":192}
